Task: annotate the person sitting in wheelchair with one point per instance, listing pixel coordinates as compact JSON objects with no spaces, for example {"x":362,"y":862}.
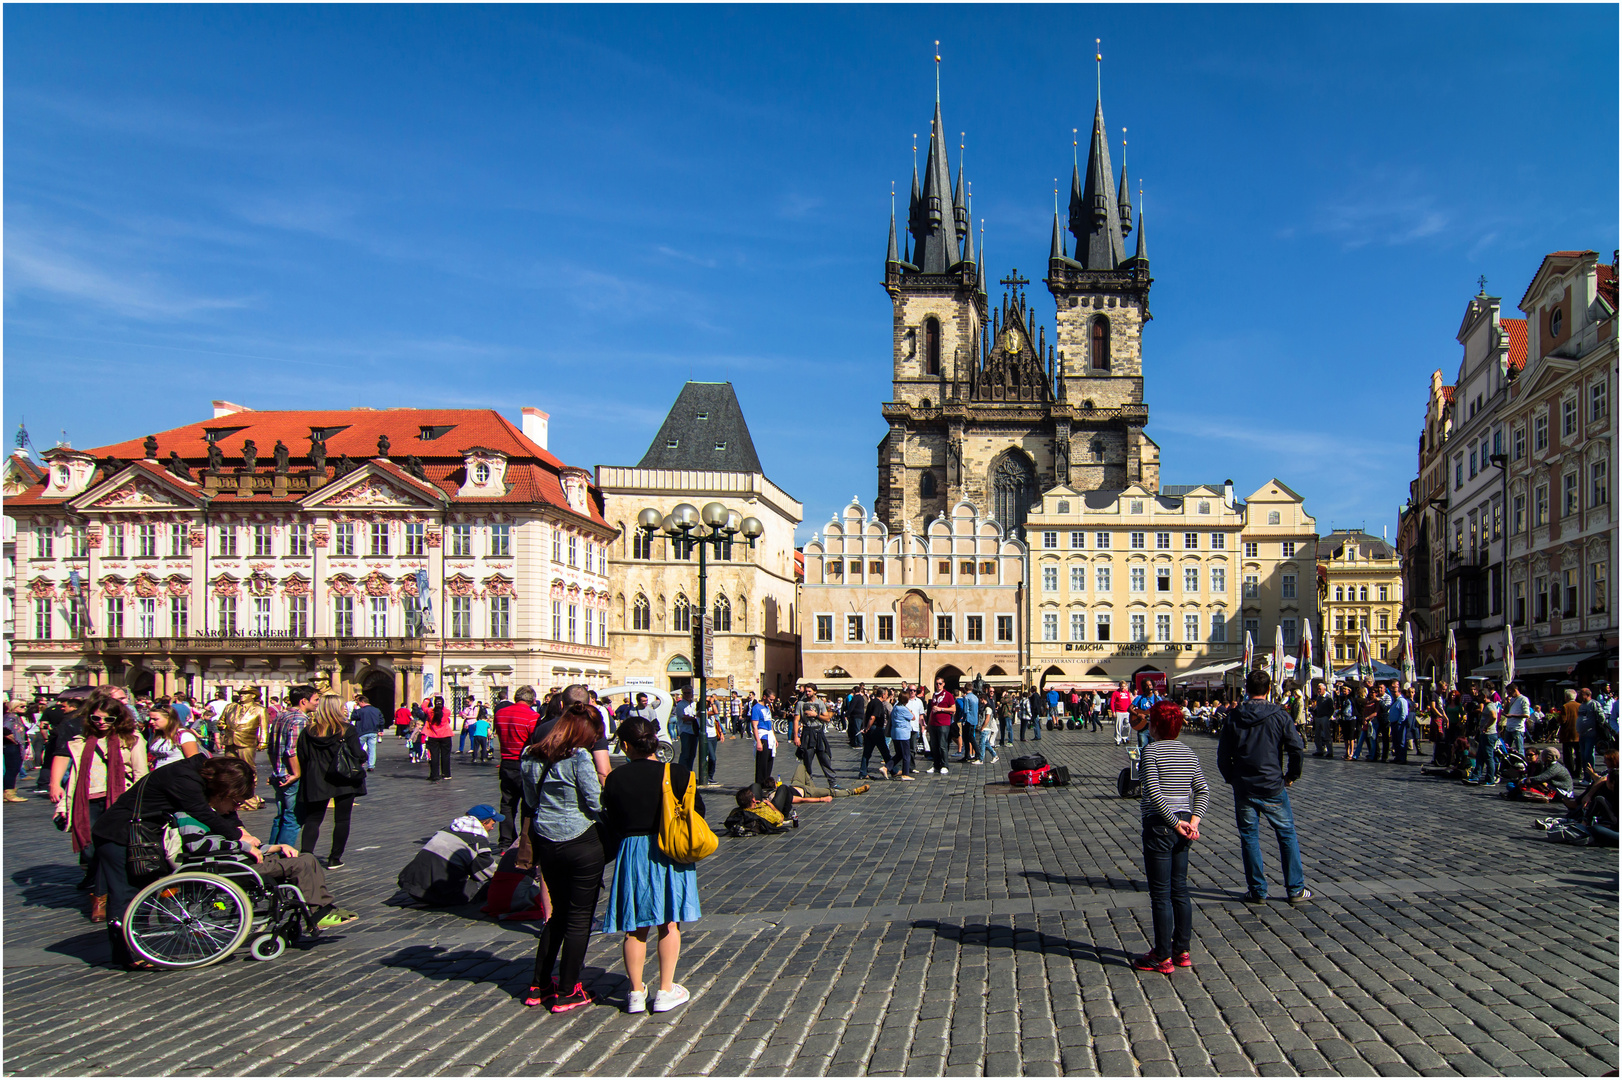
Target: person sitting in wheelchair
{"x":201,"y":795}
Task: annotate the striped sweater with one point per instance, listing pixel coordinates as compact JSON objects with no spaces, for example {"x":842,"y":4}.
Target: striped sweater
{"x":1173,"y":782}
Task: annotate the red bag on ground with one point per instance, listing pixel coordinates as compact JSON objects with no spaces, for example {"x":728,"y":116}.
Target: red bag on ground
{"x":516,"y":894}
{"x":1028,"y":777}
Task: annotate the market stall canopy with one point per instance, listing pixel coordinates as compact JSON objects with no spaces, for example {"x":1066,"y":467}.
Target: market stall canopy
{"x":1382,"y":672}
{"x":1081,"y":685}
{"x":1214,"y":669}
{"x":1534,"y":665}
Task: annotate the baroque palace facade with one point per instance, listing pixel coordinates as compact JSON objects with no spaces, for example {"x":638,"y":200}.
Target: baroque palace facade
{"x":400,"y":551}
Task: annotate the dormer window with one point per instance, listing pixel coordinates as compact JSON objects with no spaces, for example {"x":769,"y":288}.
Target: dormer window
{"x":1557,"y":319}
{"x":481,"y":474}
{"x":671,"y":444}
{"x":721,"y":444}
{"x":703,"y":416}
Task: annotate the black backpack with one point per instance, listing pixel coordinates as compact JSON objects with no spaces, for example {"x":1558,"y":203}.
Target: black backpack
{"x":1058,"y":776}
{"x":1027,"y":763}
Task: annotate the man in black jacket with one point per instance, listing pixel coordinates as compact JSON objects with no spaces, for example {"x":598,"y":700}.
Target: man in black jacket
{"x":1255,"y":738}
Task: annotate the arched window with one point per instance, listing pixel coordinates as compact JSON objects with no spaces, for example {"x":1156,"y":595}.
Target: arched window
{"x":641,"y":613}
{"x":723,"y":613}
{"x":1013,"y":485}
{"x":932,"y":346}
{"x":681,"y":615}
{"x":1340,"y":592}
{"x":926,"y":485}
{"x":1101,"y":343}
{"x":1363,"y":592}
{"x":641,"y":544}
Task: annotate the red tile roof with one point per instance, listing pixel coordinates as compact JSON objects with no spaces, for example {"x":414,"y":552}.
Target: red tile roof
{"x":532,"y":474}
{"x":1447,"y":394}
{"x":1607,"y":283}
{"x":1515,"y":329}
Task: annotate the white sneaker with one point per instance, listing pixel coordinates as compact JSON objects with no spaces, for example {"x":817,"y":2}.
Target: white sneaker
{"x":663,"y":1002}
{"x":977,"y":761}
{"x":636,"y":1001}
{"x":930,"y":771}
{"x":944,"y":771}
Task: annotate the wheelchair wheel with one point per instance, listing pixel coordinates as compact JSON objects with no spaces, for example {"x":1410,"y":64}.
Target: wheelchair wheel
{"x":667,"y":753}
{"x":267,"y":946}
{"x":188,"y":920}
{"x":1125,"y":784}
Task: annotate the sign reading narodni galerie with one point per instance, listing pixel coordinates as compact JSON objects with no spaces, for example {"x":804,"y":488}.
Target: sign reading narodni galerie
{"x":917,"y":616}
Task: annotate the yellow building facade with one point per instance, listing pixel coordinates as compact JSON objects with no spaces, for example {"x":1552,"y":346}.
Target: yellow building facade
{"x":1161,"y":587}
{"x":1360,"y":587}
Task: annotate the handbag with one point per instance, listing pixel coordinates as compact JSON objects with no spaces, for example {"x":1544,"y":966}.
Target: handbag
{"x":684,"y":835}
{"x":345,"y":765}
{"x":153,"y":846}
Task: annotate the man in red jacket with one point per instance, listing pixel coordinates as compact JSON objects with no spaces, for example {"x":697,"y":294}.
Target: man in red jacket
{"x":1120,"y":707}
{"x":513,"y":726}
{"x":942,"y":712}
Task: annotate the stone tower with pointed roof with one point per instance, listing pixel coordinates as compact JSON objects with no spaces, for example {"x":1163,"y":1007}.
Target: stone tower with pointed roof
{"x":984,"y":408}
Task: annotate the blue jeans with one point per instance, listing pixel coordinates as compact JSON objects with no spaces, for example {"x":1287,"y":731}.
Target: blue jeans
{"x":1517,"y":742}
{"x":982,"y":741}
{"x":369,"y":744}
{"x":1365,"y":736}
{"x":689,"y":750}
{"x":461,"y":744}
{"x":284,"y":828}
{"x":1585,"y":753}
{"x":1486,"y":760}
{"x":1248,"y":811}
{"x":1033,"y":722}
{"x":1165,"y":862}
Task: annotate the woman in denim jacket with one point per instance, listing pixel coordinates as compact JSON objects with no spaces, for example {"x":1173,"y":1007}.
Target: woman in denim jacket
{"x":561,"y":786}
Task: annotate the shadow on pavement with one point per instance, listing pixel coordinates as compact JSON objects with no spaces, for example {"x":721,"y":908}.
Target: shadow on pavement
{"x":1006,"y":937}
{"x":480,"y":966}
{"x":51,"y":886}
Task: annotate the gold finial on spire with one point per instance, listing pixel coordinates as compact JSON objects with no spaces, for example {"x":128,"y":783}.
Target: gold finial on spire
{"x":937,"y":72}
{"x":1098,"y":56}
{"x":1075,"y":144}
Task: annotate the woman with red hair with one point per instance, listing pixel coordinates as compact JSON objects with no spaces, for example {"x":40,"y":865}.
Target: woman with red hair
{"x":1175,"y":797}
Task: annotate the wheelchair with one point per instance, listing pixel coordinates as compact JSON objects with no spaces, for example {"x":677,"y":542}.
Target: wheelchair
{"x":206,"y":909}
{"x":1129,"y":784}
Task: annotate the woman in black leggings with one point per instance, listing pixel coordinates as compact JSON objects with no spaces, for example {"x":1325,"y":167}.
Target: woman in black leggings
{"x":561,"y":789}
{"x":318,"y":782}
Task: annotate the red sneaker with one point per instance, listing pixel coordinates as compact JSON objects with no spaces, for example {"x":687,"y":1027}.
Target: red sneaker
{"x":542,"y":993}
{"x":574,"y":999}
{"x":1150,"y":962}
{"x":1182,"y":959}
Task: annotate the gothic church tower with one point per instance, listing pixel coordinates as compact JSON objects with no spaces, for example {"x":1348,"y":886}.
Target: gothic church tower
{"x":983,"y":408}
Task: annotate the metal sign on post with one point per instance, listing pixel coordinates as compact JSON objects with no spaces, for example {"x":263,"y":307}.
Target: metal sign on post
{"x":704,"y":645}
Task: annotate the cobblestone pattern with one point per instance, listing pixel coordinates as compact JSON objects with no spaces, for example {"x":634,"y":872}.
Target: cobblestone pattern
{"x":948,"y":926}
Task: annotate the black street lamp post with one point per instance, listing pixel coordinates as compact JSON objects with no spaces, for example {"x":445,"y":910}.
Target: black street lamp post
{"x":688,"y":529}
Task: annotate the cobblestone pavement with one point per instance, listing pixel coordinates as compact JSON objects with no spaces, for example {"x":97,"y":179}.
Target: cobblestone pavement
{"x":951,"y":925}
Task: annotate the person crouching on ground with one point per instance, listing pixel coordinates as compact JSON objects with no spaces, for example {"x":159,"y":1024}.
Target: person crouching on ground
{"x":647,"y":889}
{"x":453,"y":857}
{"x":561,"y":786}
{"x":1175,"y":797}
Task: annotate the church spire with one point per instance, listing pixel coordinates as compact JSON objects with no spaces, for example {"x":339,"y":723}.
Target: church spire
{"x":1125,"y":205}
{"x":966,"y":222}
{"x":892,"y":255}
{"x":1095,"y":219}
{"x":934,"y":225}
{"x":1141,"y":258}
{"x":1057,"y":251}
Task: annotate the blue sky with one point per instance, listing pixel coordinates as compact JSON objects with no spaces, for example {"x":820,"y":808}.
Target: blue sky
{"x":580,"y":208}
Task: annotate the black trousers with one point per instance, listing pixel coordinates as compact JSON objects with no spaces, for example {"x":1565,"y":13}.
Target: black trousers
{"x":1382,"y":739}
{"x":511,"y":782}
{"x":873,"y":739}
{"x":573,"y":871}
{"x":112,"y":882}
{"x":312,"y":814}
{"x":937,"y":745}
{"x":763,"y":767}
{"x":1165,"y":863}
{"x":439,"y":758}
{"x":814,"y":746}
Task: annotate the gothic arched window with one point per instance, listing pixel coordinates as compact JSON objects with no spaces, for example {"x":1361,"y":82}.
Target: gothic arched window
{"x":926,"y":485}
{"x":1101,"y":343}
{"x":681,"y":615}
{"x":932,"y":346}
{"x":1013,"y":486}
{"x":641,"y":544}
{"x":641,"y":613}
{"x":723,"y":613}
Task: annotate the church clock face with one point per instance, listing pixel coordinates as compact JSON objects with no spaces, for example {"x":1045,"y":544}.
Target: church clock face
{"x":1010,"y":341}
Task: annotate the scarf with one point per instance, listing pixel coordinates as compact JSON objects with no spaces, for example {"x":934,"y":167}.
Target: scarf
{"x":81,"y":785}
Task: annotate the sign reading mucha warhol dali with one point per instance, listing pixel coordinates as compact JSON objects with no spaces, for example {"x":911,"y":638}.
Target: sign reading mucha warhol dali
{"x":917,"y":616}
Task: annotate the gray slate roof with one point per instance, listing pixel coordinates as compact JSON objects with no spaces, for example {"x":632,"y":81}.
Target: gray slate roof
{"x":1371,"y":546}
{"x":704,"y":430}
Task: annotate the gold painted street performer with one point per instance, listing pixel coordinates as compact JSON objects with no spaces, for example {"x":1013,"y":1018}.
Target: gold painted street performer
{"x":246,"y":728}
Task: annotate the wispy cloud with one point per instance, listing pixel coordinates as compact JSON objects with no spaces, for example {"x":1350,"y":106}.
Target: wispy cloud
{"x":1386,"y":218}
{"x":687,"y":257}
{"x":36,"y":267}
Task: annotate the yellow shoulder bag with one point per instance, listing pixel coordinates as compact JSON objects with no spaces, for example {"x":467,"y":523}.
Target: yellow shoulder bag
{"x":684,"y":835}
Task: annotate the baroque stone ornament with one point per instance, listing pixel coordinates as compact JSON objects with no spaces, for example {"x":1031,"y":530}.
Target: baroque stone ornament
{"x":296,"y":585}
{"x":226,"y":585}
{"x":342,"y":585}
{"x":146,"y":585}
{"x":377,"y":584}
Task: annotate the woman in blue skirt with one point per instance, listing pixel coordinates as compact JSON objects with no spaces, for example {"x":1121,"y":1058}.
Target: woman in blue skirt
{"x":647,"y":889}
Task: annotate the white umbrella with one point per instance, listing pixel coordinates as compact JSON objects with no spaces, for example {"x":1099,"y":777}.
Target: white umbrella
{"x":1303,"y":667}
{"x":1278,"y":660}
{"x":1452,"y":661}
{"x":1408,"y":673}
{"x":1509,"y":655}
{"x":1250,"y":652}
{"x":1365,"y":658}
